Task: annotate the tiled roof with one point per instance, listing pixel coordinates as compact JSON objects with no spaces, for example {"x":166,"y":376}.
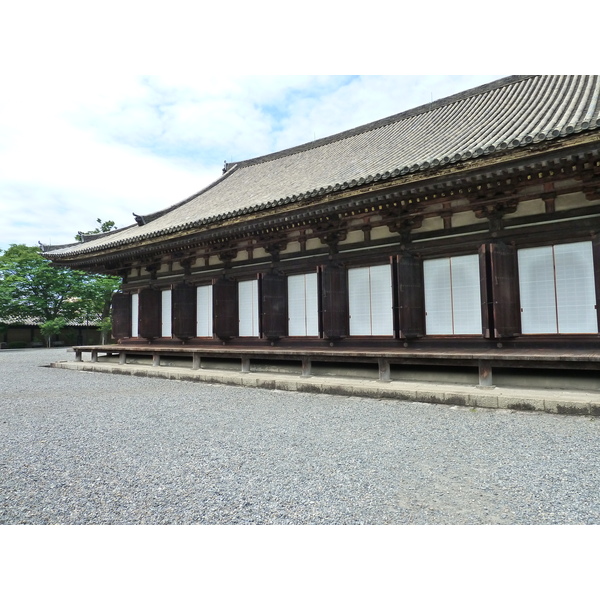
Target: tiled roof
{"x":509,"y":113}
{"x":93,"y":321}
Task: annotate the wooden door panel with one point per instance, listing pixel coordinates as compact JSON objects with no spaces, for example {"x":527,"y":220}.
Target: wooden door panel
{"x":505,"y":290}
{"x":410,"y":296}
{"x":150,"y":313}
{"x":184,"y":311}
{"x":121,"y":315}
{"x":274,"y":305}
{"x":225,"y":308}
{"x":334,"y":295}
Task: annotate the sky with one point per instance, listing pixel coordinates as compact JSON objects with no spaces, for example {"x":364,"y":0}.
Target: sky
{"x":114,"y":108}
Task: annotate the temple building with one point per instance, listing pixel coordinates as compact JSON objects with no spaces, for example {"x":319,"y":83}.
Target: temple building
{"x":465,"y":232}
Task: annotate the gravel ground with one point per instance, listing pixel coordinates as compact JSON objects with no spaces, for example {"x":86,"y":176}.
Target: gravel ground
{"x":90,"y":448}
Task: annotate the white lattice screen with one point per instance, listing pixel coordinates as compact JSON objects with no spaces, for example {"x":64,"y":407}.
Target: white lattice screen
{"x":556,"y":286}
{"x":166,"y":312}
{"x":135,"y":315}
{"x":248,"y":308}
{"x":452,"y":295}
{"x":303,"y":307}
{"x":204,"y":311}
{"x":370,"y":300}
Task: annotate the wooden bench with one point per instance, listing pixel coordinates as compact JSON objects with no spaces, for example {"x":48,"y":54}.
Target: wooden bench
{"x":481,"y":358}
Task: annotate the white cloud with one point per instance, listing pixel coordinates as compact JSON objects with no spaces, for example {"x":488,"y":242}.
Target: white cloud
{"x":129,"y":106}
{"x":56,"y":174}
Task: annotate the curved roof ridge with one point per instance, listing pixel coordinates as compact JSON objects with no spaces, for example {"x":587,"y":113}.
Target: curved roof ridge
{"x":411,"y":112}
{"x":52,"y":247}
{"x":90,"y":237}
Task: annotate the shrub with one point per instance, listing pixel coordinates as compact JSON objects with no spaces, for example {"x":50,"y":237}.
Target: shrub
{"x":17,"y":344}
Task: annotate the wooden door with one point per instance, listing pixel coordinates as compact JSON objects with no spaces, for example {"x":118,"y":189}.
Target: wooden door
{"x":225,"y":308}
{"x":150,"y":313}
{"x":121,"y":315}
{"x":274,"y":306}
{"x":334,"y":297}
{"x":504,"y":286}
{"x":184,"y":311}
{"x":410,"y":296}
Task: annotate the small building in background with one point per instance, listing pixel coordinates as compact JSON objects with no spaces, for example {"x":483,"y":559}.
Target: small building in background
{"x":25,"y":333}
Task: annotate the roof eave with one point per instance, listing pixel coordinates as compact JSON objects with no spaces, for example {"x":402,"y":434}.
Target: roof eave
{"x":509,"y":159}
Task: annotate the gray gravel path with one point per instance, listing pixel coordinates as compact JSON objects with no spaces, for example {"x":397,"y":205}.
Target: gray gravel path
{"x":89,"y":448}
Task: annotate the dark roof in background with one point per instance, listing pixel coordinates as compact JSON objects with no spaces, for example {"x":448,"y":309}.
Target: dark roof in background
{"x":93,"y":321}
{"x":509,"y":113}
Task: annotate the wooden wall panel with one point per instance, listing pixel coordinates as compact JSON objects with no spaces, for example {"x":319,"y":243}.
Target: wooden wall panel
{"x":184,"y":311}
{"x":150,"y":313}
{"x":410,"y":296}
{"x":273,"y":306}
{"x":121,"y":315}
{"x":225,"y":308}
{"x":487,"y":310}
{"x":505,"y":290}
{"x":334,"y":297}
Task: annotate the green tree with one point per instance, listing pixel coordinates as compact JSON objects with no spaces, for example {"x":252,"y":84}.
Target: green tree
{"x":31,"y":287}
{"x":53,"y":327}
{"x":105,"y":226}
{"x":105,"y":328}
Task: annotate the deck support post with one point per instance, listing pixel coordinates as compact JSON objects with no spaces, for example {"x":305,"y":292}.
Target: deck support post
{"x":485,"y":373}
{"x":122,"y":358}
{"x":245,"y":364}
{"x":384,"y":370}
{"x":306,"y":366}
{"x":196,"y":361}
{"x":155,"y":359}
{"x":78,"y":354}
{"x":94,"y":357}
